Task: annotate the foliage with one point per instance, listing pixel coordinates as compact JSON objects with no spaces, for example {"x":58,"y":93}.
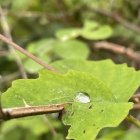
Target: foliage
{"x":62,"y":34}
{"x":104,"y":96}
{"x":91,"y":30}
{"x":50,"y":49}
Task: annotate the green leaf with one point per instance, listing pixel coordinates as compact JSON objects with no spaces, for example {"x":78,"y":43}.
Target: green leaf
{"x":120,"y":79}
{"x":68,"y":33}
{"x":102,"y":32}
{"x":40,"y":124}
{"x":43,"y":50}
{"x":90,"y":25}
{"x":33,"y":67}
{"x":86,"y":118}
{"x":37,"y":129}
{"x":71,"y":49}
{"x":41,"y":46}
{"x":23,"y":5}
{"x":17,"y":133}
{"x":47,"y":86}
{"x":32,"y":127}
{"x":91,"y":30}
{"x":131,"y":134}
{"x":87,"y":124}
{"x":50,"y":49}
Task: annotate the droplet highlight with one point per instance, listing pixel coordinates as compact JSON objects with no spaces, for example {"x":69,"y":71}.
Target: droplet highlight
{"x":82,"y":97}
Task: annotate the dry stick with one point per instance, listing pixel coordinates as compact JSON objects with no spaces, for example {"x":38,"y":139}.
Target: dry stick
{"x":7,"y":33}
{"x":118,"y":18}
{"x":1,"y":111}
{"x":11,"y":113}
{"x":136,"y":96}
{"x":4,"y":53}
{"x":28,"y":54}
{"x":136,"y":100}
{"x":9,"y":77}
{"x":50,"y":126}
{"x":117,"y":49}
{"x":136,"y":106}
{"x":20,"y":112}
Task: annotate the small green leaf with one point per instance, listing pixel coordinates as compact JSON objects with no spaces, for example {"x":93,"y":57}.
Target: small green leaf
{"x":50,"y":49}
{"x":43,"y":50}
{"x":90,"y":25}
{"x":37,"y":129}
{"x":23,"y":5}
{"x":37,"y":125}
{"x":91,"y":30}
{"x":68,"y":33}
{"x":33,"y":67}
{"x":102,"y":32}
{"x":41,"y":46}
{"x":71,"y":49}
{"x":131,"y":134}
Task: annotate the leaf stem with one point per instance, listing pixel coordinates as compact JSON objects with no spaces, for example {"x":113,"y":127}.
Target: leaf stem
{"x":133,"y":120}
{"x":28,"y":54}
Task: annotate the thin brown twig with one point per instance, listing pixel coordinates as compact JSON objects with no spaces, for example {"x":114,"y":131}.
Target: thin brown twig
{"x":20,"y":112}
{"x":12,"y":113}
{"x":131,"y":54}
{"x":52,"y":129}
{"x":136,"y":100}
{"x":28,"y":54}
{"x":8,"y":78}
{"x":118,"y":18}
{"x":136,"y":96}
{"x":1,"y":110}
{"x":7,"y":33}
{"x":136,"y":106}
{"x":4,"y":53}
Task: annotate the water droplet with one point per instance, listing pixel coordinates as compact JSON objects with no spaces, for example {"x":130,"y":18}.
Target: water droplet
{"x":82,"y":97}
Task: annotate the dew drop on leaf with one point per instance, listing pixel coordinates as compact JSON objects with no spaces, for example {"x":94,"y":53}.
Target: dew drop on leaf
{"x":82,"y":97}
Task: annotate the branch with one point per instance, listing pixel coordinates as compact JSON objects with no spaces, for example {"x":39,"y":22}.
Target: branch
{"x":136,"y":96}
{"x":12,"y":113}
{"x":50,"y":126}
{"x":117,"y":49}
{"x":118,"y":18}
{"x":7,"y":33}
{"x":136,"y":106}
{"x":20,"y":112}
{"x":28,"y":54}
{"x":4,"y":53}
